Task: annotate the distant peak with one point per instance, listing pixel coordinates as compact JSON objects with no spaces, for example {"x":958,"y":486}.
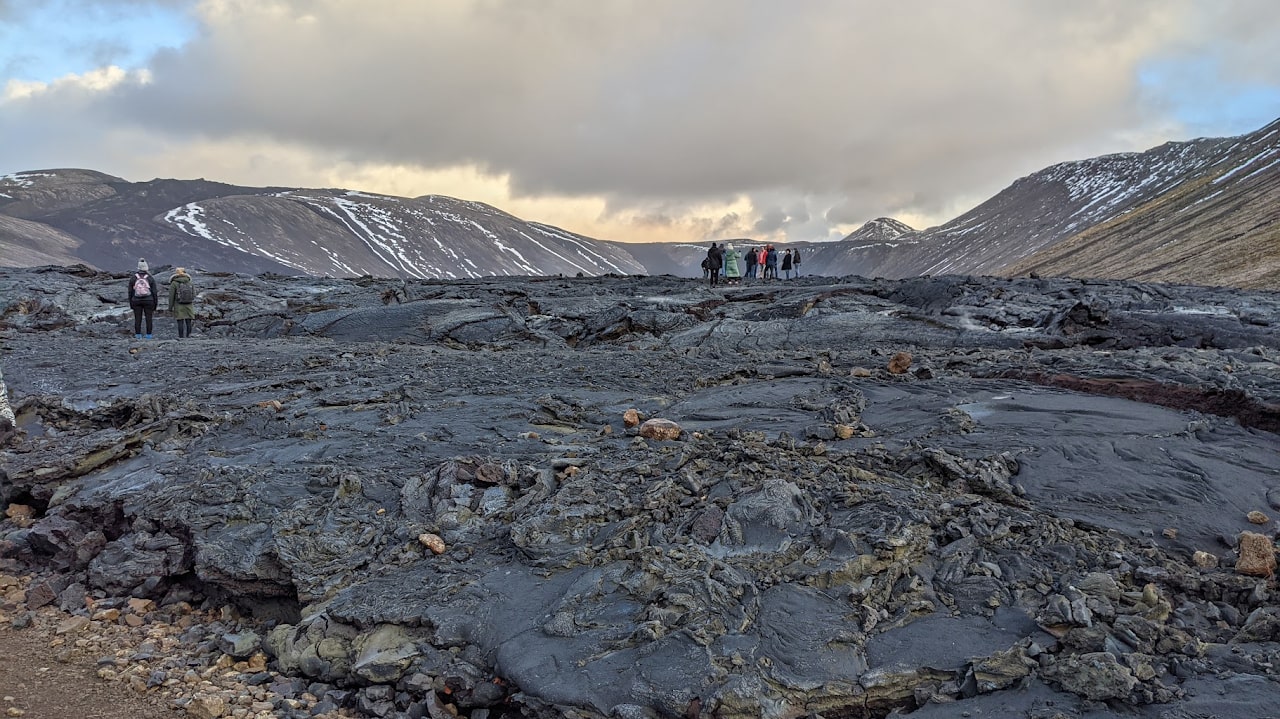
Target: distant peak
{"x":890,"y":224}
{"x":881,"y":229}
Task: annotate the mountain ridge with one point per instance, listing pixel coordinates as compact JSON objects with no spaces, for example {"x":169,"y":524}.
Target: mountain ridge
{"x":1033,"y":224}
{"x":1204,"y":210}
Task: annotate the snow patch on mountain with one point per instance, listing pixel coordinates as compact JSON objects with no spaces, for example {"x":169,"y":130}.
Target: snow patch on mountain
{"x":23,"y":179}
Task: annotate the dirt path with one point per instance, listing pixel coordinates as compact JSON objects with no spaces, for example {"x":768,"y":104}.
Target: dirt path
{"x":35,"y":684}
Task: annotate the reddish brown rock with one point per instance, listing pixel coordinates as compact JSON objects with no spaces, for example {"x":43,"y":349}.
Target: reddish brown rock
{"x":660,"y":429}
{"x":1257,"y":555}
{"x":1256,"y":517}
{"x":432,"y":542}
{"x":39,"y":595}
{"x":631,"y":418}
{"x":900,"y":363}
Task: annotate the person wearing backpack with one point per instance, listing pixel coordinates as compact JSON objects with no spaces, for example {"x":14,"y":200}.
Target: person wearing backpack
{"x":182,"y":297}
{"x":142,"y":299}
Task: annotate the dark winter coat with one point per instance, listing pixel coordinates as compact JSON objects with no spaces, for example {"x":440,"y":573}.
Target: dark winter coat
{"x":153,"y":299}
{"x":716,"y":256}
{"x":179,"y":310}
{"x":771,"y":259}
{"x":786,"y":261}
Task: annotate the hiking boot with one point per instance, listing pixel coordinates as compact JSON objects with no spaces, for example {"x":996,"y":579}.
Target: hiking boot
{"x":137,"y":337}
{"x":148,"y":336}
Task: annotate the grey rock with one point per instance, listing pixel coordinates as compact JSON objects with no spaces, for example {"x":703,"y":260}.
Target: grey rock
{"x":289,"y":465}
{"x":240,"y":645}
{"x":1096,"y":676}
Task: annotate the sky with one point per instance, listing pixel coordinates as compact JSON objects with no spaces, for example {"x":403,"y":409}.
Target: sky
{"x":631,"y":120}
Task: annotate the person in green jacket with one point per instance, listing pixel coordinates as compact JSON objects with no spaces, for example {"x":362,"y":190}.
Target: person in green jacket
{"x":182,"y":297}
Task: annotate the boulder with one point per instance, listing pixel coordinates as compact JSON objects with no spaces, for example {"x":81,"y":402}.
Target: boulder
{"x":1257,"y":555}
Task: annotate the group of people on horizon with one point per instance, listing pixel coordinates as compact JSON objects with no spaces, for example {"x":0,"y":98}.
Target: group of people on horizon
{"x":144,"y":300}
{"x":763,"y":262}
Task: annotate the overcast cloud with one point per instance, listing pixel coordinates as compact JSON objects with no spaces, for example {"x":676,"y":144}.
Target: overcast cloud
{"x":658,"y":119}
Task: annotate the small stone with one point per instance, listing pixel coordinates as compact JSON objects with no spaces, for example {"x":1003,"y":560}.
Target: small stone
{"x":141,"y":606}
{"x":1256,"y":517}
{"x":1205,"y":560}
{"x":900,"y":363}
{"x":432,"y":542}
{"x":14,"y":712}
{"x":1170,"y":533}
{"x":207,"y":707}
{"x":660,"y":429}
{"x":72,"y":624}
{"x":844,"y":431}
{"x":860,"y":372}
{"x":631,"y":418}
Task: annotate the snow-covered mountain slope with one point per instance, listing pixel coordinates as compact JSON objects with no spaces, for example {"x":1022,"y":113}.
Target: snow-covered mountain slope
{"x":1221,"y":226}
{"x":348,"y":233}
{"x":1039,"y":212}
{"x":314,"y":232}
{"x":879,"y":230}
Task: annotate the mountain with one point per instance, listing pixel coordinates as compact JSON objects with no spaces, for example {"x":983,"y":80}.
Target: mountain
{"x":881,"y":229}
{"x":67,"y":216}
{"x":1206,"y":211}
{"x":1202,"y":211}
{"x":1221,"y":225}
{"x":873,"y":245}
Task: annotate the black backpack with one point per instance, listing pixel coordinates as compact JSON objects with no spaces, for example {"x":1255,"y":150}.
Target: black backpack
{"x":186,"y":293}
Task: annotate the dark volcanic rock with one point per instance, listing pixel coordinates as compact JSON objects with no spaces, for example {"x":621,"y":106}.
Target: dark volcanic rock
{"x":427,"y":493}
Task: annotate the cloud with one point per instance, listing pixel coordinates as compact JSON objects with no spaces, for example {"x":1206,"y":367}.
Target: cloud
{"x":797,"y":120}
